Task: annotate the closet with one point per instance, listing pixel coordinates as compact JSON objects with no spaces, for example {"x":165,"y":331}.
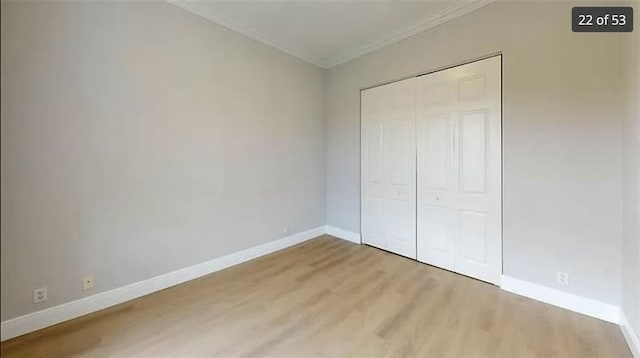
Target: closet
{"x":431,"y":168}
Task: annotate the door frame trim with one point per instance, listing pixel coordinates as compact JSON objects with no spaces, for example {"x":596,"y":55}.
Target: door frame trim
{"x":437,"y":69}
{"x":442,"y":68}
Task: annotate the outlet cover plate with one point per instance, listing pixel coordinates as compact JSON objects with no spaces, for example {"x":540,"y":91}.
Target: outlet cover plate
{"x":40,"y":295}
{"x":563,"y":278}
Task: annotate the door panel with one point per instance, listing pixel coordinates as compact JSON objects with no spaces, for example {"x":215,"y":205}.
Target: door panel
{"x":470,"y":88}
{"x":473,"y":236}
{"x":435,"y":228}
{"x":473,"y":150}
{"x":436,"y":153}
{"x":399,"y":154}
{"x":460,"y":217}
{"x":374,"y":152}
{"x":388,"y":167}
{"x":373,"y":221}
{"x":399,"y":231}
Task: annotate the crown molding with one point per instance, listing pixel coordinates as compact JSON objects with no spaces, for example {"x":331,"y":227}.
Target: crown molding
{"x":444,"y":15}
{"x":195,"y":8}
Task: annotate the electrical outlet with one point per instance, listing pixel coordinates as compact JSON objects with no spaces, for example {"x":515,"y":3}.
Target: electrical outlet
{"x":39,"y":295}
{"x":87,"y":283}
{"x":562,"y":278}
{"x":285,"y":229}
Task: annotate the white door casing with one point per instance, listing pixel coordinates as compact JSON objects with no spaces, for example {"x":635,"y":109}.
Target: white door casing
{"x":389,"y":167}
{"x":459,"y":185}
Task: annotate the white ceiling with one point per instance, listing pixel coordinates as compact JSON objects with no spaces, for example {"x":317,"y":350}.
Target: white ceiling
{"x":329,"y":32}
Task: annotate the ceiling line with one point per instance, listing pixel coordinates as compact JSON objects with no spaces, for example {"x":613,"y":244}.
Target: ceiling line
{"x":440,"y":17}
{"x":244,"y":30}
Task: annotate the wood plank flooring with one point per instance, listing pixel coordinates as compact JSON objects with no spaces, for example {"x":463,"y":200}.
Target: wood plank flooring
{"x":328,"y":298}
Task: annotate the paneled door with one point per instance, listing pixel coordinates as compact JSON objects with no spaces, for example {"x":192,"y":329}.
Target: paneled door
{"x":459,"y":211}
{"x":389,"y":167}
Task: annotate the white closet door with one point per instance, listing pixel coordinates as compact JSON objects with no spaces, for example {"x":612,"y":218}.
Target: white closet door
{"x":388,"y":167}
{"x":459,"y":169}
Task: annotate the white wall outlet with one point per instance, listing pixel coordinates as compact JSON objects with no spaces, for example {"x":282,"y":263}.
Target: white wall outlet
{"x":562,"y":278}
{"x":87,"y":283}
{"x":39,"y":295}
{"x":285,"y":229}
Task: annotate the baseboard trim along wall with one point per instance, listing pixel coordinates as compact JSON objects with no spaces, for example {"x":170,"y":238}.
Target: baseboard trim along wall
{"x":64,"y":312}
{"x":575,"y":303}
{"x":569,"y":301}
{"x":343,"y":234}
{"x":632,"y":338}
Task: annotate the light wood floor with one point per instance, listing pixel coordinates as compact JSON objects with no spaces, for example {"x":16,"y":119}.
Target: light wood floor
{"x":329,"y":298}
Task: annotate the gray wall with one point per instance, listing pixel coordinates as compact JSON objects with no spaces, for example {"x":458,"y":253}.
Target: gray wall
{"x":631,"y":194}
{"x":138,"y":138}
{"x":142,"y":126}
{"x":563,"y":119}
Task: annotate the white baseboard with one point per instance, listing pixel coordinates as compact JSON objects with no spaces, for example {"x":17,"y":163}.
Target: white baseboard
{"x":630,"y":335}
{"x":343,"y":234}
{"x":50,"y":316}
{"x":575,"y":303}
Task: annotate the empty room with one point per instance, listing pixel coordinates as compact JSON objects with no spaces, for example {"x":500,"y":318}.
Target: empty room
{"x":320,"y":178}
